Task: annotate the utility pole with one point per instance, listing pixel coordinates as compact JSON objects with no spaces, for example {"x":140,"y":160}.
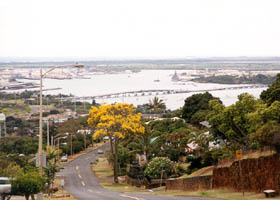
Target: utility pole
{"x":52,"y":141}
{"x":85,"y":140}
{"x":71,"y":143}
{"x":48,"y":133}
{"x":5,"y":128}
{"x":75,"y":108}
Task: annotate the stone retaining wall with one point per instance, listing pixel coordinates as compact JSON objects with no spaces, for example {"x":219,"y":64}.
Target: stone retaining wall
{"x":252,"y":175}
{"x":190,"y":184}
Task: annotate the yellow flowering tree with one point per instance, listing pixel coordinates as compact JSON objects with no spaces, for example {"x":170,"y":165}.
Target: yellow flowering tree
{"x":116,"y":121}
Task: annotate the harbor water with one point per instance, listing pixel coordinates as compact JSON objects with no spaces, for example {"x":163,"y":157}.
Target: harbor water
{"x":103,"y":84}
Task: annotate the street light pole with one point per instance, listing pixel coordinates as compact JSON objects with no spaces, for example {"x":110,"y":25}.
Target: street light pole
{"x":48,"y":133}
{"x":41,"y":112}
{"x":40,"y":125}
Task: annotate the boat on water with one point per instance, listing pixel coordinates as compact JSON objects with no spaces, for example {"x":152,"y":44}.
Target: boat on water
{"x":157,"y":80}
{"x":175,"y":77}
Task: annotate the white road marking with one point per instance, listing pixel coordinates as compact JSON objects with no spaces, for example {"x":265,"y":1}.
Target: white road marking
{"x":87,"y":158}
{"x":90,"y":190}
{"x":131,"y":197}
{"x":77,"y":167}
{"x":80,"y":176}
{"x":97,"y":192}
{"x":83,"y":183}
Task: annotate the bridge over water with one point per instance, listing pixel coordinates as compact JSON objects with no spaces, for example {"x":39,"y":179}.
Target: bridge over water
{"x":153,"y":92}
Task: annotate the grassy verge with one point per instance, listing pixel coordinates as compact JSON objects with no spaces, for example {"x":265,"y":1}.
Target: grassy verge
{"x":60,"y":194}
{"x":121,"y":187}
{"x":104,"y":172}
{"x":102,"y":169}
{"x":219,"y":194}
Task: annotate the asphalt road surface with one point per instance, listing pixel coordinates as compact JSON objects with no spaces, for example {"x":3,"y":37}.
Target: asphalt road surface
{"x":81,"y":182}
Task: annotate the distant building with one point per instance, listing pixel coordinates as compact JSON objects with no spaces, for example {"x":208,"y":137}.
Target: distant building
{"x":2,"y":124}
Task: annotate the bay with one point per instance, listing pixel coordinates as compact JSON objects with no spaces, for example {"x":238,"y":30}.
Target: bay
{"x":102,"y":84}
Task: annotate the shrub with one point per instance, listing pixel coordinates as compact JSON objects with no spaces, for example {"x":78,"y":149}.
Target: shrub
{"x":54,"y":112}
{"x":154,"y":167}
{"x":181,"y":169}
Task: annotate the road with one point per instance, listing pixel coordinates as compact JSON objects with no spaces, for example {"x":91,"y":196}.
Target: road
{"x":81,"y":182}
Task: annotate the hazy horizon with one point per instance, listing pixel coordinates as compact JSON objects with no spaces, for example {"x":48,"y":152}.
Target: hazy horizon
{"x":137,"y":29}
{"x":190,"y":58}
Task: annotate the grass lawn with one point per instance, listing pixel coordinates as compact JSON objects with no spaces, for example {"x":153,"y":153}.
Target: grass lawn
{"x":17,"y":101}
{"x":15,"y":109}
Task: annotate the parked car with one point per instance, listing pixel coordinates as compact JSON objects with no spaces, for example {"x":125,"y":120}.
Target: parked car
{"x":5,"y":187}
{"x":106,"y":138}
{"x":64,"y":159}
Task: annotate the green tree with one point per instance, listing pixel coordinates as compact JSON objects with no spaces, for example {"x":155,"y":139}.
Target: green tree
{"x":139,"y":143}
{"x":268,"y":134}
{"x":246,"y":123}
{"x":265,"y":125}
{"x":12,"y":170}
{"x":232,"y":123}
{"x":28,"y":183}
{"x":19,"y":145}
{"x":196,"y":103}
{"x":171,"y":145}
{"x":272,"y":93}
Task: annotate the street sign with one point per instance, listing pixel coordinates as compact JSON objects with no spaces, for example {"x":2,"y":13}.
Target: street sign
{"x":238,"y":154}
{"x":62,"y":183}
{"x":44,"y":160}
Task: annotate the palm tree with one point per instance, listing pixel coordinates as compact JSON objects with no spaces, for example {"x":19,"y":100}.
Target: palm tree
{"x":52,"y":155}
{"x":201,"y":140}
{"x":156,"y":104}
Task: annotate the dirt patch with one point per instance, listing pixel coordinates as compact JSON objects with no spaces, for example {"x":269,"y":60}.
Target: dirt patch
{"x":247,"y":155}
{"x":206,"y":171}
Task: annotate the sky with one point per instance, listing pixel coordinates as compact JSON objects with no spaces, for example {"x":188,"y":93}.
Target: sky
{"x":139,"y":28}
